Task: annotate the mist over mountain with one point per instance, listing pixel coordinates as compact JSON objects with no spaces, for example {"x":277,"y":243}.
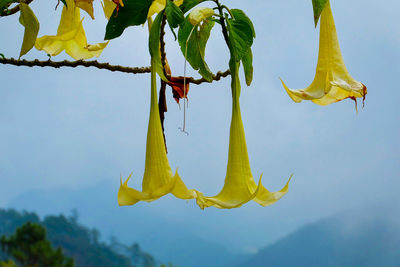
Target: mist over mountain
{"x":368,"y":236}
{"x":166,"y":239}
{"x":365,"y":236}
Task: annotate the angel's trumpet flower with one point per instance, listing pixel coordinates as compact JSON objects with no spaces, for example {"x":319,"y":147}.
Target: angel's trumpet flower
{"x":158,"y":179}
{"x":239,"y":187}
{"x":332,"y":82}
{"x":70,"y":37}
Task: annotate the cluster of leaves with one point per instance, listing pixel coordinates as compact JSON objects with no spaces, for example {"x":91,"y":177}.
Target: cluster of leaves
{"x":192,"y":38}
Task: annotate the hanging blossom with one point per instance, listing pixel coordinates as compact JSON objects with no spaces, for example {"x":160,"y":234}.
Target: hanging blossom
{"x":158,"y":179}
{"x":332,"y":82}
{"x":239,"y":187}
{"x":70,"y":37}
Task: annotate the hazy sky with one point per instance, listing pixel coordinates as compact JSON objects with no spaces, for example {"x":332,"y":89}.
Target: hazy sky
{"x":75,"y":128}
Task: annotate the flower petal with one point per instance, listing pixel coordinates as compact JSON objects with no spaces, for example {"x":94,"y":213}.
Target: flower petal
{"x":108,"y":8}
{"x":70,"y":37}
{"x":158,"y":5}
{"x":86,"y":5}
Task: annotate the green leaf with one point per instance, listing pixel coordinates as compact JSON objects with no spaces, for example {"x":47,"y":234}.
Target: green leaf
{"x":247,"y":61}
{"x":30,"y":22}
{"x":240,"y":15}
{"x":4,"y":4}
{"x":154,"y":44}
{"x":189,"y":4}
{"x":133,"y":13}
{"x":65,"y":3}
{"x":174,"y":14}
{"x":196,"y":45}
{"x":318,"y":6}
{"x":241,"y":34}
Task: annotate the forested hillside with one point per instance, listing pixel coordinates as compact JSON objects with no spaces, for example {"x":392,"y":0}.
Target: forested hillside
{"x":77,"y":241}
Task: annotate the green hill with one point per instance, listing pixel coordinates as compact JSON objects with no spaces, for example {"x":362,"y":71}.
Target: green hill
{"x":77,"y":241}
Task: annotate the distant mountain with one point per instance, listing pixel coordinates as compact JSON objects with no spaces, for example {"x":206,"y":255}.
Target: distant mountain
{"x":165,"y":239}
{"x":77,"y":241}
{"x":365,"y":237}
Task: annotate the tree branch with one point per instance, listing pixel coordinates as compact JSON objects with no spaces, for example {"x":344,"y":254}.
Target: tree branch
{"x":73,"y":64}
{"x":99,"y":65}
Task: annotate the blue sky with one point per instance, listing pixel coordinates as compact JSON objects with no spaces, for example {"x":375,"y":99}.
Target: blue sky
{"x":76,"y":128}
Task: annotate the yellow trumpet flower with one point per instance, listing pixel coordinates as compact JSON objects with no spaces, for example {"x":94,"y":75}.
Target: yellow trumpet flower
{"x":332,"y":82}
{"x":158,"y":179}
{"x":239,"y":187}
{"x":70,"y":37}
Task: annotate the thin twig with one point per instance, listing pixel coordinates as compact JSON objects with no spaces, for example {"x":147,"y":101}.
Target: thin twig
{"x":162,"y":46}
{"x":222,"y":21}
{"x":215,"y":77}
{"x":8,"y":12}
